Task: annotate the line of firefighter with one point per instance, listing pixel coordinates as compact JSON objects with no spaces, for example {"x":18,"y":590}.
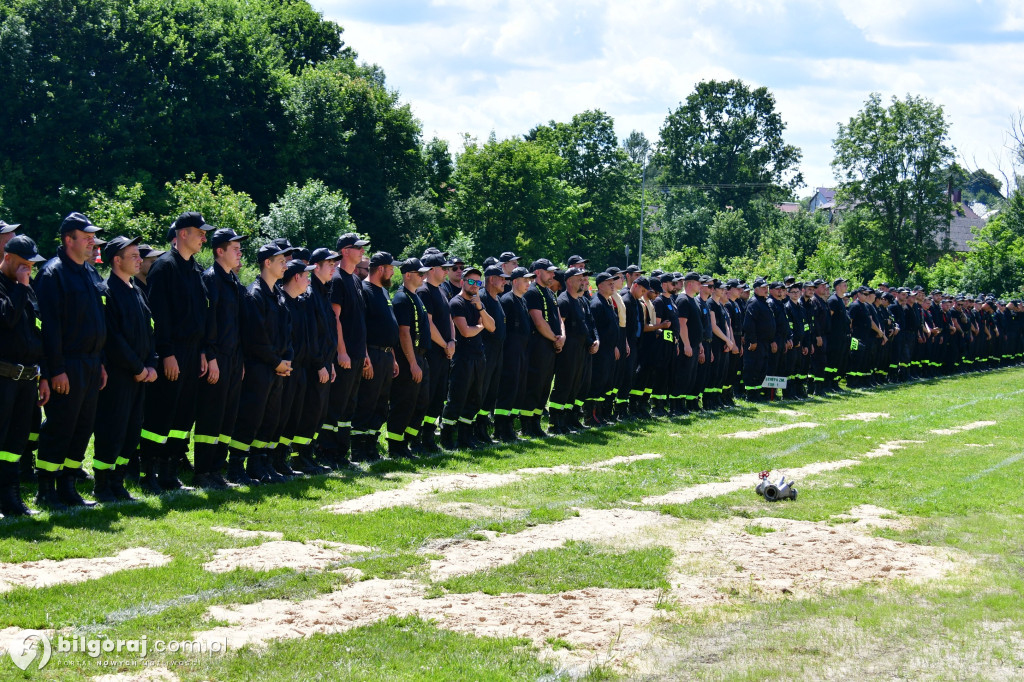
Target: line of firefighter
{"x":313,"y":364}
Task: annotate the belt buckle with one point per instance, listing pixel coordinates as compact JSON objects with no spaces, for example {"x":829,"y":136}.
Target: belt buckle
{"x":21,"y":371}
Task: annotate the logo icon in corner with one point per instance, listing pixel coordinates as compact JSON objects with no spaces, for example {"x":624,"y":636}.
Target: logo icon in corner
{"x":31,"y":644}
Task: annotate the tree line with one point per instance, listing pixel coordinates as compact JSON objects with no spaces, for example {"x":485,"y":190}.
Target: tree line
{"x":257,"y":113}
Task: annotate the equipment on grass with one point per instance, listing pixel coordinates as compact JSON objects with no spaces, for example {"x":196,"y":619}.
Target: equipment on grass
{"x":774,"y":491}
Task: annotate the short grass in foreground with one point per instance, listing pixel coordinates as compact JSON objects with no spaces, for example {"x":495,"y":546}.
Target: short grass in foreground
{"x":574,"y":566}
{"x":968,"y":497}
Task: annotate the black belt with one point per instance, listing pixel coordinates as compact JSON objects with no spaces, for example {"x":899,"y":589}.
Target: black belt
{"x":386,"y":349}
{"x":13,"y":370}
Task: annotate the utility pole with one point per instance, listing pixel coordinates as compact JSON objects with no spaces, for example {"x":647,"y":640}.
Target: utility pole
{"x":643,"y":209}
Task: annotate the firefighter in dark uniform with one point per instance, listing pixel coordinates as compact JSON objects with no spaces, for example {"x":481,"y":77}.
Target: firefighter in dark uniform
{"x":23,"y":383}
{"x":546,"y":341}
{"x":382,"y":366}
{"x":130,"y":359}
{"x":439,"y":351}
{"x":452,"y":285}
{"x":219,"y":393}
{"x":570,"y":363}
{"x":512,"y":383}
{"x":495,"y":280}
{"x":177,"y":299}
{"x":822,"y":330}
{"x":314,"y":412}
{"x":465,"y":383}
{"x":838,"y":346}
{"x":691,"y":345}
{"x":307,"y":360}
{"x":721,"y":343}
{"x":861,"y":330}
{"x":632,"y":298}
{"x":734,"y":380}
{"x":783,"y":332}
{"x":74,"y":333}
{"x":413,"y":369}
{"x":800,"y":330}
{"x":663,"y":360}
{"x":759,"y":336}
{"x":349,"y":310}
{"x":704,"y":366}
{"x":268,"y":361}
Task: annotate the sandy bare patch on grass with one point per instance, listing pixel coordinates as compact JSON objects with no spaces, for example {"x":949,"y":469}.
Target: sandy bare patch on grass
{"x":418,"y":491}
{"x":464,"y":556}
{"x":979,"y":445}
{"x":248,"y":534}
{"x":889,"y":448}
{"x":788,"y":413}
{"x":298,"y":556}
{"x":870,"y":516}
{"x":472,"y":510}
{"x":48,"y":572}
{"x":965,"y":427}
{"x":743,"y":481}
{"x":14,"y":637}
{"x":863,"y":416}
{"x":794,"y":557}
{"x":769,"y":430}
{"x":591,"y":618}
{"x":156,"y":674}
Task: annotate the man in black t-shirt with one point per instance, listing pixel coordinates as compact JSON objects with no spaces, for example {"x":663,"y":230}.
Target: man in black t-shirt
{"x":350,"y":332}
{"x":546,"y":340}
{"x":495,"y":280}
{"x":413,"y":370}
{"x":440,"y":350}
{"x":513,"y":365}
{"x":465,"y":385}
{"x":380,"y":367}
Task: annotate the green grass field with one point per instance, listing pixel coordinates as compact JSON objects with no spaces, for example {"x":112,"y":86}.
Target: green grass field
{"x":954,"y":495}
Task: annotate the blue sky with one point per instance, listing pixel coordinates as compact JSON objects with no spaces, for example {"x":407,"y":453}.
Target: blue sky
{"x":472,"y":67}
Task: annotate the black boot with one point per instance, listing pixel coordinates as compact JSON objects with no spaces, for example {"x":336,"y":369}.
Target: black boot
{"x":148,"y":479}
{"x":67,"y":492}
{"x":132,"y":469}
{"x":117,"y":486}
{"x":465,"y":436}
{"x":11,"y":503}
{"x":481,"y":430}
{"x":101,"y":489}
{"x":266,"y":465}
{"x":448,"y":441}
{"x":167,"y":476}
{"x":305,"y":463}
{"x":504,"y":429}
{"x":279,"y":460}
{"x":428,"y":443}
{"x":399,"y":449}
{"x":47,"y":494}
{"x":236,"y":470}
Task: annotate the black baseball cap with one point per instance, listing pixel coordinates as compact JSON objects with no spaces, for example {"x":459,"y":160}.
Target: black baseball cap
{"x":818,"y":282}
{"x":9,"y":227}
{"x":268,"y":251}
{"x":760,"y":282}
{"x":543,"y":264}
{"x":435,"y":259}
{"x":192,"y":219}
{"x":521,"y":273}
{"x":381,"y":258}
{"x":116,"y":245}
{"x":666,"y":278}
{"x":642,"y":282}
{"x":489,"y":261}
{"x":837,"y":281}
{"x":494,"y":271}
{"x":471,"y":269}
{"x":294,"y":267}
{"x":575,"y":260}
{"x":224,"y":235}
{"x":23,"y":247}
{"x":574,"y":272}
{"x":508,"y":257}
{"x":322,"y":254}
{"x":350,"y":239}
{"x":301,"y":253}
{"x":789,"y":280}
{"x":603,"y":277}
{"x":170,"y":233}
{"x":691,"y":277}
{"x":414,"y":265}
{"x":634,"y":269}
{"x":147,"y":251}
{"x":706,"y":279}
{"x":78,"y":221}
{"x":454,"y":260}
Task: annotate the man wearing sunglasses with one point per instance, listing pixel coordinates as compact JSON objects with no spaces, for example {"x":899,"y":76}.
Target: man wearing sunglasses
{"x":465,"y":385}
{"x":453,"y":286}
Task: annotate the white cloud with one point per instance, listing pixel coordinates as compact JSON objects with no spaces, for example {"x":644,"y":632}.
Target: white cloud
{"x":477,"y":66}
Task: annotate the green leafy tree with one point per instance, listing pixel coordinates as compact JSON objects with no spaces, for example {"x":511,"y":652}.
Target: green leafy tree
{"x":311,"y":216}
{"x":220,"y":205}
{"x":727,"y":139}
{"x":729,"y":237}
{"x":510,"y":194}
{"x":597,"y":165}
{"x":119,"y":214}
{"x":889,"y":161}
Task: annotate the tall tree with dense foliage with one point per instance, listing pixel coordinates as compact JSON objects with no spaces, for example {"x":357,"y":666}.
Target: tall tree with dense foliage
{"x":889,"y":162}
{"x":597,"y":165}
{"x":511,"y":194}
